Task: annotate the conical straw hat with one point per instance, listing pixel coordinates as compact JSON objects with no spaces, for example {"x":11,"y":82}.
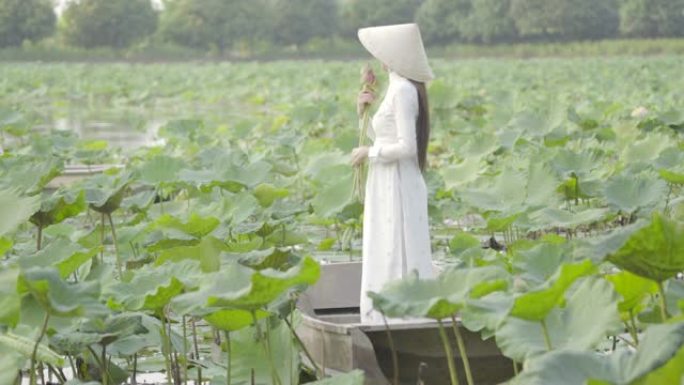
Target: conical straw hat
{"x":400,"y":48}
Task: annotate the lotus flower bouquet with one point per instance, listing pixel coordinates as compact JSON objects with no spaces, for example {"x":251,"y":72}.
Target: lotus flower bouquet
{"x":363,"y":103}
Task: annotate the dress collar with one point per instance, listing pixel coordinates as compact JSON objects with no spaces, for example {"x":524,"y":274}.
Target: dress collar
{"x":393,"y":77}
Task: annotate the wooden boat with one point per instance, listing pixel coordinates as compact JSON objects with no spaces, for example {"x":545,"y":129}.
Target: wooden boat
{"x":338,"y":342}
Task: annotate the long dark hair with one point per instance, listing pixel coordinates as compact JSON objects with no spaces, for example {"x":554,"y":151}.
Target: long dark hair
{"x":422,"y":124}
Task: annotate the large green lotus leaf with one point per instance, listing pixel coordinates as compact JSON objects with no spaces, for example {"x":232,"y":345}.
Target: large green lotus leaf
{"x":234,"y":209}
{"x":486,"y":314}
{"x":540,"y":262}
{"x":670,"y":373}
{"x":273,"y":258}
{"x":633,"y":289}
{"x":248,"y":355}
{"x":128,"y":346}
{"x":598,"y":247}
{"x":195,"y":226}
{"x":646,"y":149}
{"x":267,"y":193}
{"x":553,"y":217}
{"x":15,"y":209}
{"x":536,"y":304}
{"x":498,"y":223}
{"x":10,"y":300}
{"x":672,"y":177}
{"x":506,"y":194}
{"x":267,"y":285}
{"x":250,"y":175}
{"x":655,"y":251}
{"x":318,"y":167}
{"x":25,"y":346}
{"x":234,"y":319}
{"x":231,"y":282}
{"x":140,"y":201}
{"x":28,"y":176}
{"x":591,"y":313}
{"x":333,"y":198}
{"x":105,"y":192}
{"x":659,"y":345}
{"x":10,"y":364}
{"x":674,"y":296}
{"x":541,"y":185}
{"x":434,"y":298}
{"x":206,"y":252}
{"x":60,"y":206}
{"x":462,"y":242}
{"x":355,"y":377}
{"x":514,"y":191}
{"x":97,"y":331}
{"x":567,"y":162}
{"x":229,"y":175}
{"x":5,"y":245}
{"x":58,"y":297}
{"x":628,"y":193}
{"x":671,"y":158}
{"x":455,"y":176}
{"x":153,"y":287}
{"x":63,"y":254}
{"x":160,"y":169}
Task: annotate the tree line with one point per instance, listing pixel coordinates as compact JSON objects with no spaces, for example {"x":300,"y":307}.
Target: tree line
{"x":221,"y":25}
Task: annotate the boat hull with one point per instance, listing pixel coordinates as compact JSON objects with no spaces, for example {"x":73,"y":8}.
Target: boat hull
{"x":336,"y":340}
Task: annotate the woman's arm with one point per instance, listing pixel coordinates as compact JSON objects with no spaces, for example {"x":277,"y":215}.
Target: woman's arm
{"x":405,"y":108}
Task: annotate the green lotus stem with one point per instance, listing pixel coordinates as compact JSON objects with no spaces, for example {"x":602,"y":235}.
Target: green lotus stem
{"x":185,"y":352}
{"x":116,"y":246}
{"x":304,"y":349}
{"x":547,"y":338}
{"x":395,"y":359}
{"x":197,"y":356}
{"x":462,"y":350}
{"x":267,"y":348}
{"x":634,"y":329}
{"x":33,"y":379}
{"x":515,"y":369}
{"x":60,"y":376}
{"x":166,"y":348}
{"x":667,"y":200}
{"x":449,"y":353}
{"x":39,"y":238}
{"x":270,"y":355}
{"x":134,"y":377}
{"x":102,"y":238}
{"x":105,"y":369}
{"x":229,"y":355}
{"x":663,"y":303}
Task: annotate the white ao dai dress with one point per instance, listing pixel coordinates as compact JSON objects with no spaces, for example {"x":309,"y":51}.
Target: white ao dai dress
{"x":396,"y":237}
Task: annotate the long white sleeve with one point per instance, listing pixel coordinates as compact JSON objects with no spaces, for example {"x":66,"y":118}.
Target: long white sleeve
{"x":405,"y":110}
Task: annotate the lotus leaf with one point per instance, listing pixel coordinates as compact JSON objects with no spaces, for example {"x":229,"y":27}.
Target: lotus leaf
{"x":536,"y":304}
{"x":589,"y":315}
{"x":661,"y":345}
{"x":655,"y":251}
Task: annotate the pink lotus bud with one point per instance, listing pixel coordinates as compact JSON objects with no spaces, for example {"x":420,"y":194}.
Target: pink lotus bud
{"x":640,"y":112}
{"x":367,"y":75}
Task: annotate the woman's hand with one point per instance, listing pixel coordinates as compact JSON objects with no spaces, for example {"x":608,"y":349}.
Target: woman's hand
{"x":364,"y":100}
{"x":359,"y":155}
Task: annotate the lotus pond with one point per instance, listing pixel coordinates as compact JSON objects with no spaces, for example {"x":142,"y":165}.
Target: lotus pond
{"x":556,"y":201}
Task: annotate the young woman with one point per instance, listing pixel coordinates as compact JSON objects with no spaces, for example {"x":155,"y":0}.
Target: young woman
{"x":396,"y":238}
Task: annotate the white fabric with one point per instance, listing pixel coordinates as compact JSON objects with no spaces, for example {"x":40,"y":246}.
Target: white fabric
{"x":396,"y":237}
{"x":400,"y":47}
